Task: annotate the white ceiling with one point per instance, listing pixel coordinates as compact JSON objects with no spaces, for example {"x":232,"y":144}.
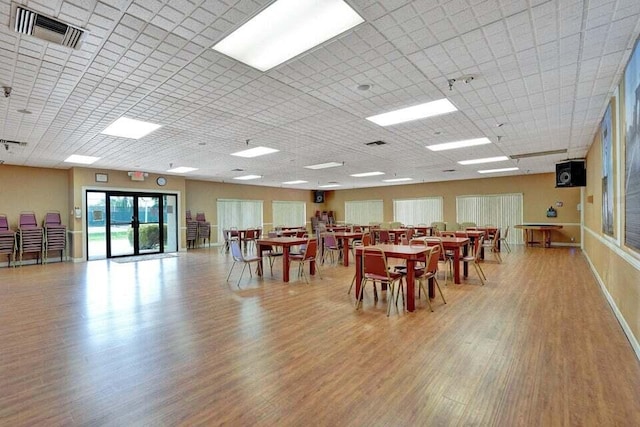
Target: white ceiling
{"x":545,"y":69}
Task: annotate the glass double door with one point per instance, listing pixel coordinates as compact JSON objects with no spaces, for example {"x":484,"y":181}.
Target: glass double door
{"x":124,"y":223}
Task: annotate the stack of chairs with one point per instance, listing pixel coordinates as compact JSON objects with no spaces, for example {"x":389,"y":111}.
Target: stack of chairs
{"x":8,"y":244}
{"x":55,"y":235}
{"x":192,"y":231}
{"x":204,"y":228}
{"x":30,"y":236}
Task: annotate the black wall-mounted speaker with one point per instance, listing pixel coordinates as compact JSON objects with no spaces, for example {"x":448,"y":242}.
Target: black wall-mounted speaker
{"x":572,"y":173}
{"x":318,"y":196}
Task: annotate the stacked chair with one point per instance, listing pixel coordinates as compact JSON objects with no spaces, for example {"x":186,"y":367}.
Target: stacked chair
{"x":55,"y":235}
{"x":192,"y":231}
{"x":30,"y":236}
{"x":204,"y":228}
{"x":8,"y":244}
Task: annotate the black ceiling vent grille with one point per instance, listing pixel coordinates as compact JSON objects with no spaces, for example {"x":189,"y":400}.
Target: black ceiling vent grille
{"x":375,"y":143}
{"x":237,"y":170}
{"x":45,"y":28}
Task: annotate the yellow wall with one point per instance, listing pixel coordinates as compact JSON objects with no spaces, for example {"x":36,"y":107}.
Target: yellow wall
{"x":538,"y":191}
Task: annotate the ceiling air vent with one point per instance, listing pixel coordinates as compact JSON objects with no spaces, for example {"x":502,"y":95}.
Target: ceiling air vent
{"x":375,"y":143}
{"x":537,"y":154}
{"x":49,"y":29}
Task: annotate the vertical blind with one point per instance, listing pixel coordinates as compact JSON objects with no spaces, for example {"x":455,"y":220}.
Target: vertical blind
{"x":418,"y":211}
{"x":362,"y":212}
{"x":501,"y":210}
{"x":238,"y":213}
{"x":289,"y":213}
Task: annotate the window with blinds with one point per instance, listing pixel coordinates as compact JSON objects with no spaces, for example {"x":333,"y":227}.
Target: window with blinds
{"x":418,"y":211}
{"x":362,"y":212}
{"x":241,"y":214}
{"x":289,"y":213}
{"x":501,"y":210}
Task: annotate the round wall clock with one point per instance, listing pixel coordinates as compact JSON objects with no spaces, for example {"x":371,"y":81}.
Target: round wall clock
{"x":161,"y":181}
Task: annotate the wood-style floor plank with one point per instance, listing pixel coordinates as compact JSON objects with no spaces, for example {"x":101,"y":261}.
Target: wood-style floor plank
{"x":170,"y":342}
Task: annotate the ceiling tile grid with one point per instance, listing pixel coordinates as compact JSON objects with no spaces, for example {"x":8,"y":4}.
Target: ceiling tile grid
{"x":544,"y":69}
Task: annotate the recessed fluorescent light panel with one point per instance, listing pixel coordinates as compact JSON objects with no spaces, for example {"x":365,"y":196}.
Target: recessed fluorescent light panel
{"x":182,"y":169}
{"x":498,"y":170}
{"x":295,"y":182}
{"x":485,"y":160}
{"x":459,"y":144}
{"x":286,"y":29}
{"x":324,"y":165}
{"x":255,"y":152}
{"x":247,"y":177}
{"x":422,"y":111}
{"x":360,"y":175}
{"x":328,"y":185}
{"x":397,"y":180}
{"x":130,"y":128}
{"x":84,"y":160}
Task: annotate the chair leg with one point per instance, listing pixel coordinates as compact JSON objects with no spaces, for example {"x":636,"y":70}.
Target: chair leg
{"x":359,"y":296}
{"x":426,"y":293}
{"x":480,"y":273}
{"x":229,"y":275}
{"x":439,"y":290}
{"x":242,"y":273}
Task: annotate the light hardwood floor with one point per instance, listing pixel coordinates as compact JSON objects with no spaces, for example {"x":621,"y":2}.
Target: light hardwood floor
{"x":169,"y":342}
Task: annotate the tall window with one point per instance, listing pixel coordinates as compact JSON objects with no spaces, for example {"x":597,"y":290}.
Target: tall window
{"x":501,"y":210}
{"x":362,"y":212}
{"x":418,"y":211}
{"x":238,"y":213}
{"x":290,"y":214}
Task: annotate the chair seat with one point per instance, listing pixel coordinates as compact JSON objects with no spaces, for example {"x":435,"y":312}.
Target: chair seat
{"x":379,"y":277}
{"x":418,"y":271}
{"x":252,"y":258}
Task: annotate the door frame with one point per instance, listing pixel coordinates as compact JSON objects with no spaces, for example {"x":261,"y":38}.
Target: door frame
{"x":82,"y":233}
{"x":135,"y":221}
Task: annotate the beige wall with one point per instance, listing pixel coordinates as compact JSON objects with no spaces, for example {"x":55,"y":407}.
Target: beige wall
{"x":38,"y":190}
{"x":616,"y":266}
{"x":538,"y":191}
{"x":202,"y":197}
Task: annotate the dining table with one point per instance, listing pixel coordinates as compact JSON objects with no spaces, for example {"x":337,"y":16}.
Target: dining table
{"x":410,"y":254}
{"x":459,"y":246}
{"x":285,"y":243}
{"x":344,"y":237}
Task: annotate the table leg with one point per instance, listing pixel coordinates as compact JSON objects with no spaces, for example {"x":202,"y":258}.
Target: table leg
{"x":358,"y":272}
{"x":345,"y":252}
{"x":261,"y":268}
{"x":285,"y":263}
{"x":456,"y":266}
{"x":411,"y":287}
{"x":465,"y":252}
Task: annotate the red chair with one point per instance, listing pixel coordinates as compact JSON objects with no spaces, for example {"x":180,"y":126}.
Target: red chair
{"x":430,"y":273}
{"x":309,"y":256}
{"x":375,"y":269}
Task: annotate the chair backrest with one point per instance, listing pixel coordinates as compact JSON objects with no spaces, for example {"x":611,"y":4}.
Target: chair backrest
{"x":436,"y":241}
{"x":448,"y":234}
{"x":383,"y":236}
{"x":236,"y":252}
{"x":4,"y":223}
{"x":200,"y":217}
{"x":250,"y":234}
{"x":357,"y":229}
{"x":374,"y":261}
{"x":311,"y":249}
{"x":433,"y":256}
{"x":301,"y":233}
{"x":189,"y":215}
{"x":330,"y":240}
{"x":28,"y":220}
{"x":366,"y":239}
{"x":476,"y":247}
{"x":410,"y":233}
{"x":52,"y":218}
{"x":506,"y":233}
